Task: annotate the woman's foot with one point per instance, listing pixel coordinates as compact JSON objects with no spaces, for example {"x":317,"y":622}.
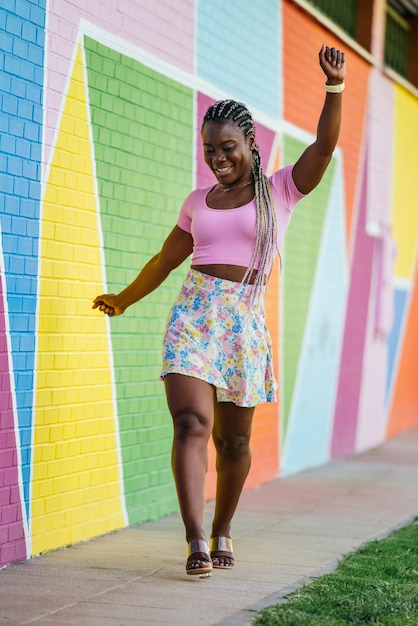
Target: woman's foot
{"x":198,"y":559}
{"x":221,"y":552}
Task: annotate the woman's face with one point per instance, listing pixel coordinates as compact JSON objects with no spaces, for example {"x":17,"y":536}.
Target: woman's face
{"x":227,"y":152}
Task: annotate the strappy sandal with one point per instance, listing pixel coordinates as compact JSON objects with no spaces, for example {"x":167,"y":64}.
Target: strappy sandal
{"x":197,"y":550}
{"x":221,"y":547}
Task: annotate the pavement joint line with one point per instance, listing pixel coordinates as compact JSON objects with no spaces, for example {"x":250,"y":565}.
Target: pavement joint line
{"x":91,"y":596}
{"x":280,"y":597}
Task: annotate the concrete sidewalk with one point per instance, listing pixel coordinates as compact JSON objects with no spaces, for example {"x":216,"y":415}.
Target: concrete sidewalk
{"x":284,"y":532}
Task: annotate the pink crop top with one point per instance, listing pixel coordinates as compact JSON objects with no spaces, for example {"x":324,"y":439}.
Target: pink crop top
{"x":228,"y":235}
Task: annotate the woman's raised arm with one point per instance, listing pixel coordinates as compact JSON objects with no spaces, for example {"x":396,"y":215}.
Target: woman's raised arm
{"x":311,"y":166}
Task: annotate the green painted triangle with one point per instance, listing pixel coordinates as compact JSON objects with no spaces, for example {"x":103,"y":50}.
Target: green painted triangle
{"x":300,"y":253}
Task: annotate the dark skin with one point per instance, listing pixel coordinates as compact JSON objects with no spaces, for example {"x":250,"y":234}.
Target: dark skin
{"x":192,"y":403}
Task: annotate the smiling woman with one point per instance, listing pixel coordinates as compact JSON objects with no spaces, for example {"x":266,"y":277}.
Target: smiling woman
{"x":217,"y":360}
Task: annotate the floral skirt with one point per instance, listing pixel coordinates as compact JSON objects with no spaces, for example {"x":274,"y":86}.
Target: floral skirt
{"x":212,"y":334}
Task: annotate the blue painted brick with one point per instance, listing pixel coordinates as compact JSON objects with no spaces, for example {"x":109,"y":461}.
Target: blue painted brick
{"x":24,"y":246}
{"x":31,"y":267}
{"x":11,"y":65}
{"x":26,"y":437}
{"x":4,"y":121}
{"x":25,"y":378}
{"x":15,"y":303}
{"x":25,"y":109}
{"x":32,"y":228}
{"x":23,"y":148}
{"x":21,"y":187}
{"x":19,"y":361}
{"x":34,"y":93}
{"x":16,"y":264}
{"x":19,"y":228}
{"x":37,"y":16}
{"x":40,"y":37}
{"x":34,"y":190}
{"x":5,"y":83}
{"x":31,"y":131}
{"x":26,"y":70}
{"x":7,"y":184}
{"x":22,"y":287}
{"x":11,"y":280}
{"x":29,"y":32}
{"x":22,"y":9}
{"x":6,"y":42}
{"x":33,"y":283}
{"x":5,"y":221}
{"x":31,"y":170}
{"x":9,"y":104}
{"x":36,"y":55}
{"x":14,"y":166}
{"x":37,"y":111}
{"x":25,"y":451}
{"x":20,"y":48}
{"x":17,"y":87}
{"x":26,"y":400}
{"x":29,"y":305}
{"x":12,"y":207}
{"x":27,"y":341}
{"x":13,"y":25}
{"x":28,"y":208}
{"x":38,"y":75}
{"x":32,"y":320}
{"x":16,"y":127}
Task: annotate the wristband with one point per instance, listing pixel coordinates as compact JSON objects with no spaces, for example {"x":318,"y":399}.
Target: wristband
{"x":335,"y":88}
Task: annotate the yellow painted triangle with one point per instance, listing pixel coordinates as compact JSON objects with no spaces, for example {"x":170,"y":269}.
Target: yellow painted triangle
{"x":76,"y":487}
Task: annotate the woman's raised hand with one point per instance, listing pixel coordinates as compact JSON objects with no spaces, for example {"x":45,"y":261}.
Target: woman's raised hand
{"x":332,"y":62}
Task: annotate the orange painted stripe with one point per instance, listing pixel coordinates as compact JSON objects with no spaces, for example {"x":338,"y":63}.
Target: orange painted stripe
{"x":304,"y":90}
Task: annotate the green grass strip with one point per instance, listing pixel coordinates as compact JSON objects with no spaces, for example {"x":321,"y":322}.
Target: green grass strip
{"x":377,"y":585}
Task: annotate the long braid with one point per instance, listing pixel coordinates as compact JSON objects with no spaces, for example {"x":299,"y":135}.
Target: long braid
{"x":266,"y":237}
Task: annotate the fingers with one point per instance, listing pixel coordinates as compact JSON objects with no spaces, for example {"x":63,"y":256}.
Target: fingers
{"x":99,"y":303}
{"x":333,"y":56}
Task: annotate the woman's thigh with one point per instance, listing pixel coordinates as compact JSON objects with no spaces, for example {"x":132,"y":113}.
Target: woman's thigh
{"x":232,"y":422}
{"x":190,"y":398}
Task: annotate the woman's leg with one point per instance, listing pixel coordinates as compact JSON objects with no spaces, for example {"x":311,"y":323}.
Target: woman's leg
{"x":190,"y":402}
{"x":231,"y":436}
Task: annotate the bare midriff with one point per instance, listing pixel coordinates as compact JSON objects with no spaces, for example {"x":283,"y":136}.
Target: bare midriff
{"x":227,"y":272}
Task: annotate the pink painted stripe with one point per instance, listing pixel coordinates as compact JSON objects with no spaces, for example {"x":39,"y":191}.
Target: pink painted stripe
{"x":351,"y":365}
{"x":12,"y":534}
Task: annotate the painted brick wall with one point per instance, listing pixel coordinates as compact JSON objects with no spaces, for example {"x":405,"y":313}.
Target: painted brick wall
{"x":99,"y":144}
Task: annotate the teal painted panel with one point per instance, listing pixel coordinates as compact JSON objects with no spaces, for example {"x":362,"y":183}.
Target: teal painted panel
{"x":239,"y":51}
{"x":310,"y":421}
{"x":143,"y":143}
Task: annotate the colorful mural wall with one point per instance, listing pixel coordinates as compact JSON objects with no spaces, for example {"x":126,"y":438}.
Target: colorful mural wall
{"x":101,"y":106}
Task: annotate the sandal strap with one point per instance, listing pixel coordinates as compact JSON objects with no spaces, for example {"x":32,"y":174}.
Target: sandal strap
{"x":197,"y":545}
{"x":223,"y":544}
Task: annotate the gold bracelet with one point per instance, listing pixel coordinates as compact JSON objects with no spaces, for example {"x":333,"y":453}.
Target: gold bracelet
{"x":335,"y":88}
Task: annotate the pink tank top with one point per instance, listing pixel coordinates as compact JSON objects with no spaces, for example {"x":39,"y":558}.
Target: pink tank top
{"x":228,"y":235}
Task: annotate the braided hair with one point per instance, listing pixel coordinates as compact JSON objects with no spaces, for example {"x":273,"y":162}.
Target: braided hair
{"x":266,"y":239}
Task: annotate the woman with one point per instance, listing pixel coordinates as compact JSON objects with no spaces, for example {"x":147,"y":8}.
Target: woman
{"x":217,"y":363}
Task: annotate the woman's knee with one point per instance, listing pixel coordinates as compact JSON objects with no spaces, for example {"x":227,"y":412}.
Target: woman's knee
{"x":188,"y":423}
{"x":234,"y":446}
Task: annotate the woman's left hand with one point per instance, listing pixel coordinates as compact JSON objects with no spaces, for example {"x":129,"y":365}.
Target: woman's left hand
{"x":332,"y":62}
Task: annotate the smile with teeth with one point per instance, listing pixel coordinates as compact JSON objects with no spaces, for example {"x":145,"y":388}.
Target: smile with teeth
{"x":222,"y":171}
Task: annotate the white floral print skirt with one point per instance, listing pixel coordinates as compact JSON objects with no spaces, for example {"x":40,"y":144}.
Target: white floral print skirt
{"x":212,"y":334}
